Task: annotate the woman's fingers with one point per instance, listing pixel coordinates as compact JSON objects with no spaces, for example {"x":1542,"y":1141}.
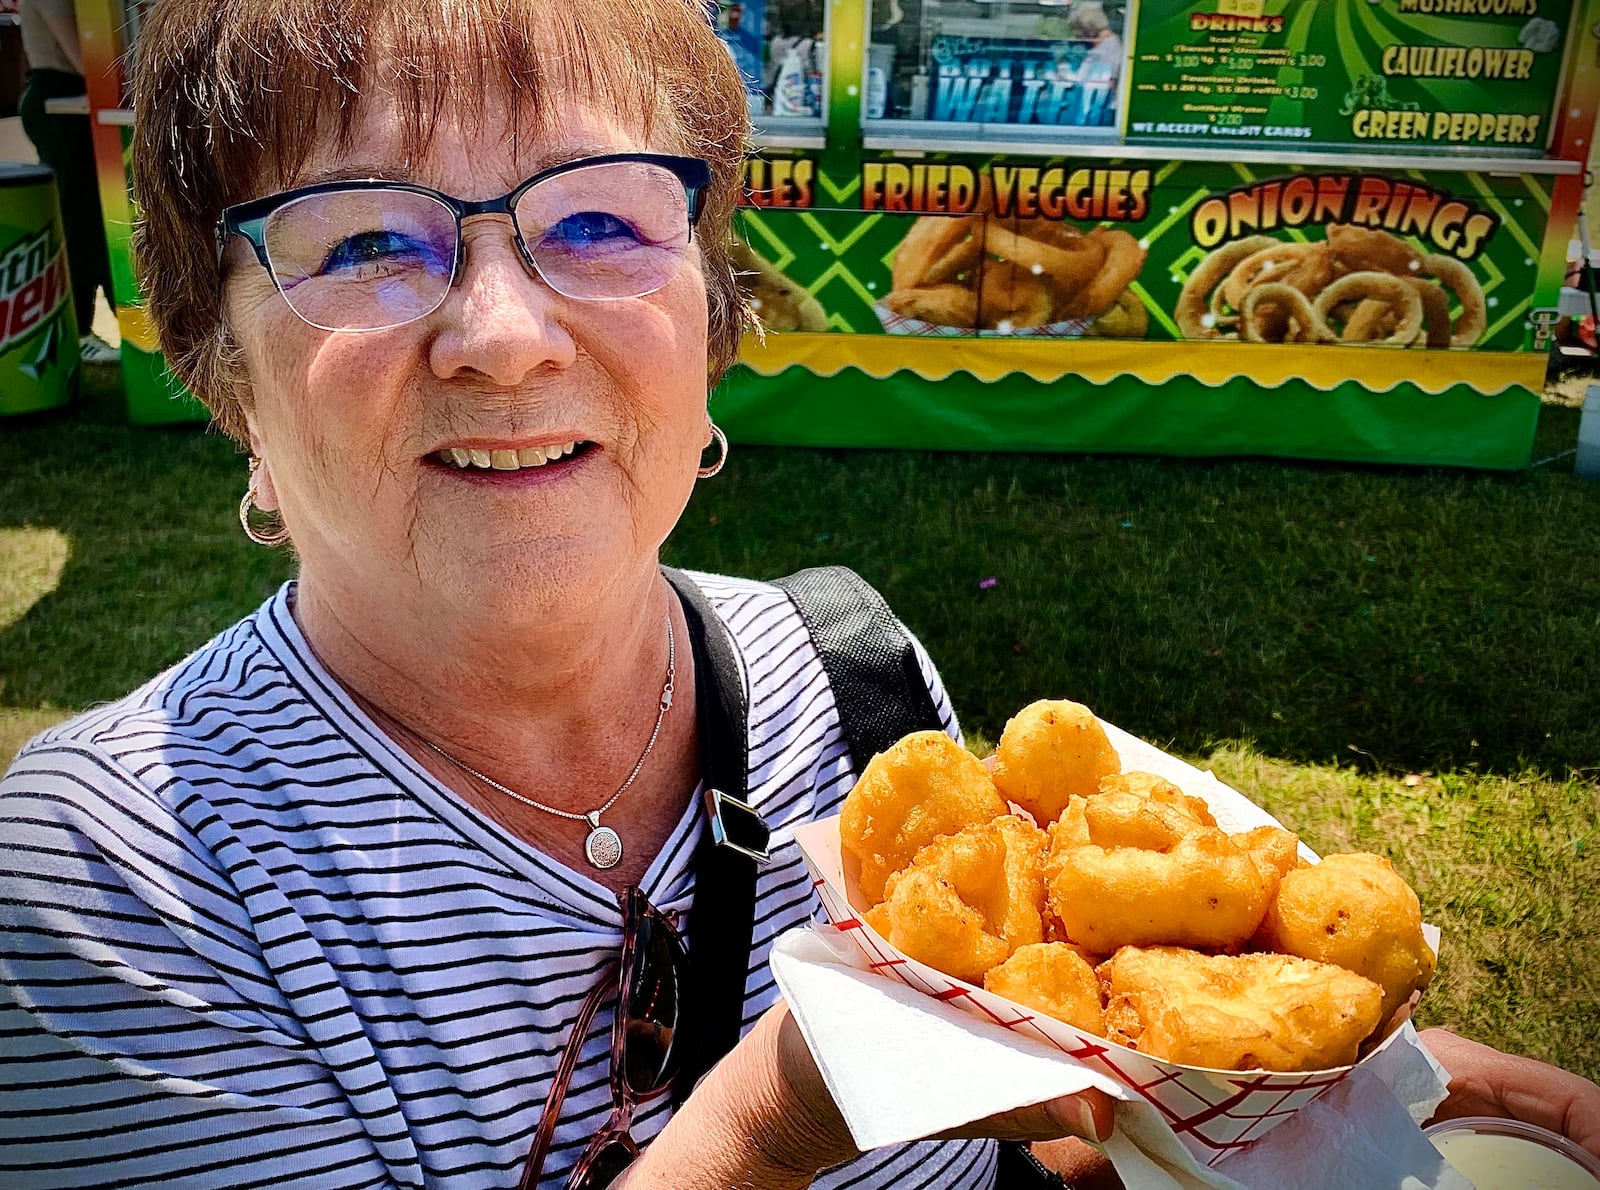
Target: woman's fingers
{"x":1486,"y":1082}
{"x":1089,"y":1115}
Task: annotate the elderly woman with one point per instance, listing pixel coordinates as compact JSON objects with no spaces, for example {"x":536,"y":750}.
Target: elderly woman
{"x":346,"y":898}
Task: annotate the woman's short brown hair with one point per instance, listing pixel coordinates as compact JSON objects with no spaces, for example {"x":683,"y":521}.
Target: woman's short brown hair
{"x":232,"y":96}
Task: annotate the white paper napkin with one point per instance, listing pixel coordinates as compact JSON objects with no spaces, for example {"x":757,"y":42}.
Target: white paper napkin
{"x":902,"y":1066}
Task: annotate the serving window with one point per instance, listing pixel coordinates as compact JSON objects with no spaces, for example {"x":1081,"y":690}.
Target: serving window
{"x":1006,"y":65}
{"x":780,"y":47}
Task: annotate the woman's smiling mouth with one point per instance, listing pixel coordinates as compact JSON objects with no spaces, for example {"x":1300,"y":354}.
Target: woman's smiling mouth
{"x":462,"y":458}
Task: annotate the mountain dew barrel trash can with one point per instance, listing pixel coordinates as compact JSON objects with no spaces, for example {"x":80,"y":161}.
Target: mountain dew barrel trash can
{"x":38,"y":327}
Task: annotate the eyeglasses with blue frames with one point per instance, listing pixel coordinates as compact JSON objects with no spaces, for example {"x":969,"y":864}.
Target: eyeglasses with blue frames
{"x":371,"y":254}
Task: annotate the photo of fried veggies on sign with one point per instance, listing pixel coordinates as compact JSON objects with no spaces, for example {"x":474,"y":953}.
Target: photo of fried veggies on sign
{"x":1177,"y":939}
{"x":982,"y":274}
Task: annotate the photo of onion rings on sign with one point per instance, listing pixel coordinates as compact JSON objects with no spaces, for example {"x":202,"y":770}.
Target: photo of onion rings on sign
{"x":1357,"y":285}
{"x":968,"y":274}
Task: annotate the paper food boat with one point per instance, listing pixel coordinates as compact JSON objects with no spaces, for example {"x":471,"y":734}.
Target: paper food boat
{"x":897,"y":324}
{"x":1213,"y":1112}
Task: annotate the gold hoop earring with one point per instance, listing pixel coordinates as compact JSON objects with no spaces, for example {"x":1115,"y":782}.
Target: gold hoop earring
{"x":721,"y":440}
{"x":271,"y":537}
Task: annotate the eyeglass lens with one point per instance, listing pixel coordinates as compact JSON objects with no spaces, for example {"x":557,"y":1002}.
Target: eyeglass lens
{"x":604,"y":1166}
{"x":368,"y":259}
{"x":650,"y":1007}
{"x":644,"y":1053}
{"x":362,"y":259}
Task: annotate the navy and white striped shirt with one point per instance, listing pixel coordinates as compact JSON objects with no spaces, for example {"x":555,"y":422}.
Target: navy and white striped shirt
{"x":245,"y":941}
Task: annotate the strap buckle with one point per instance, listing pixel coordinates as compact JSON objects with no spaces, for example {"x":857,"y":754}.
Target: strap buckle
{"x":737,"y":825}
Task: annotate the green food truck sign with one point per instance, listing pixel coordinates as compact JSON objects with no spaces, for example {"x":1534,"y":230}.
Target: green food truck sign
{"x":1462,"y":74}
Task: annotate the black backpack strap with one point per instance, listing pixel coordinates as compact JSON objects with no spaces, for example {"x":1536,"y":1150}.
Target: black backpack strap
{"x":722,"y":918}
{"x":877,"y":682}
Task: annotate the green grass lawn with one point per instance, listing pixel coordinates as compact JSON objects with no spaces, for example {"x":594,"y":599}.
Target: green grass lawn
{"x":1402,"y":661}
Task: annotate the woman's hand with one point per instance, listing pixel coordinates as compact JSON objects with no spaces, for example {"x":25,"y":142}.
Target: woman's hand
{"x":1088,"y":1116}
{"x":763,"y":1118}
{"x":1486,"y":1082}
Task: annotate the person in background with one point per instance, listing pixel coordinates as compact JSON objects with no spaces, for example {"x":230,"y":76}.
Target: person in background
{"x":1101,"y":66}
{"x":55,"y":71}
{"x":745,"y":47}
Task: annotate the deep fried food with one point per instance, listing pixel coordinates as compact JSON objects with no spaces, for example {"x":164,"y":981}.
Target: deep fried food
{"x":1013,"y":296}
{"x":1271,"y":264}
{"x":1124,"y":258}
{"x":945,"y":305}
{"x":1359,"y":285}
{"x":1054,"y":977}
{"x":1368,"y":320}
{"x":1275,"y":850}
{"x":937,"y":250}
{"x":925,"y":786}
{"x":1127,"y":319}
{"x":1048,"y":230}
{"x":1356,"y":912}
{"x":1474,"y":319}
{"x":1286,"y":307}
{"x":1202,"y":891}
{"x":1193,"y":312}
{"x":1071,"y":827}
{"x":981,"y":270}
{"x":1237,"y":1012}
{"x":778,"y":302}
{"x":1435,"y":310}
{"x":1148,"y":822}
{"x":1357,"y":249}
{"x":1049,"y":751}
{"x":1385,"y":287}
{"x":1069,"y":265}
{"x":1161,"y":790}
{"x":968,"y":900}
{"x":1315,"y":270}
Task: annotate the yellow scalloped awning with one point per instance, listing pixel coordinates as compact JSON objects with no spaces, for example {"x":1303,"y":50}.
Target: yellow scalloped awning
{"x":1101,"y":361}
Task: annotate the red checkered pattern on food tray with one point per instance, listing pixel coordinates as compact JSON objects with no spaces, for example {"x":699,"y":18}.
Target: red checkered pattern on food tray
{"x":896,"y":324}
{"x":1212,"y":1112}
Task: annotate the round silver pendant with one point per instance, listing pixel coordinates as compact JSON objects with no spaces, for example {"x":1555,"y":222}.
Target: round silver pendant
{"x":603,"y":847}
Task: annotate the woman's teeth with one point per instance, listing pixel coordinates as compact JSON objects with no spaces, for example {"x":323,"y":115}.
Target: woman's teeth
{"x":504,"y":460}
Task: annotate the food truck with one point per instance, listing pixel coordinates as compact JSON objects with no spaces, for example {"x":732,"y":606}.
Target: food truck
{"x":1331,"y":229}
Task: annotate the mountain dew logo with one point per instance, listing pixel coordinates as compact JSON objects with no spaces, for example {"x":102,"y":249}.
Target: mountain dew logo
{"x":33,"y":287}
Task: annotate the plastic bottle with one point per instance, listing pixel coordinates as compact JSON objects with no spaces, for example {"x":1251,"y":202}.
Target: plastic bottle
{"x":880,"y":68}
{"x":919,"y":95}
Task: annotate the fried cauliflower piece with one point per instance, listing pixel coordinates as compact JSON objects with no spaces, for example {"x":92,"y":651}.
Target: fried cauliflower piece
{"x":1132,"y":820}
{"x":1275,"y":850}
{"x":1049,"y":751}
{"x":1071,"y":829}
{"x":968,"y":900}
{"x":1159,"y":789}
{"x":1354,"y":911}
{"x":925,"y":786}
{"x":1054,"y":977}
{"x":1237,"y":1012}
{"x":1122,"y":870}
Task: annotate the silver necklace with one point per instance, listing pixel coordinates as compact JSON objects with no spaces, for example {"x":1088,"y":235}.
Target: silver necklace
{"x":603,"y":846}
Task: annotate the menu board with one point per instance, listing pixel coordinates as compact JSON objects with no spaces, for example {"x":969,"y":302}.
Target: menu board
{"x":1478,"y":75}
